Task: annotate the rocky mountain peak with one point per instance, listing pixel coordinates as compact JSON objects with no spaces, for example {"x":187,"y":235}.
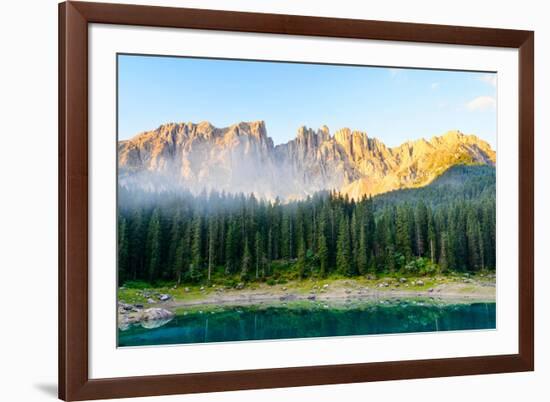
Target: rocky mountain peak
{"x":309,"y":138}
{"x":242,"y":158}
{"x":453,"y":137}
{"x":253,"y":128}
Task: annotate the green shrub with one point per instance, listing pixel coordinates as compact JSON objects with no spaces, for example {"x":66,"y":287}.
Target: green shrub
{"x":430,"y":269}
{"x":136,"y":285}
{"x":421,"y":266}
{"x":230,"y":283}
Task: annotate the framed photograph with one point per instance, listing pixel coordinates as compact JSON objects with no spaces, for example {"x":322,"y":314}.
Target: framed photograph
{"x":260,"y":200}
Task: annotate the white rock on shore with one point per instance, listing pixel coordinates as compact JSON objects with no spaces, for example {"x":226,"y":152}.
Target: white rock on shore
{"x":151,"y":314}
{"x":149,"y":318}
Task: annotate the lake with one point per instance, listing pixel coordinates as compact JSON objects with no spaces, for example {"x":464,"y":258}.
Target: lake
{"x":246,"y":323}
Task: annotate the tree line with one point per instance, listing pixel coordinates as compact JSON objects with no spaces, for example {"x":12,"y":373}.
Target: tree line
{"x":186,"y":238}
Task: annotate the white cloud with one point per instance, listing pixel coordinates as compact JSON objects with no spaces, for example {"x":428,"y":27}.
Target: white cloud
{"x":481,"y":103}
{"x":490,"y":79}
{"x":394,"y":71}
{"x":435,"y":85}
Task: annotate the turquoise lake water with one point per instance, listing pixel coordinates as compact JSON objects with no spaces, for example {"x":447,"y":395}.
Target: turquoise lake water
{"x":286,"y":322}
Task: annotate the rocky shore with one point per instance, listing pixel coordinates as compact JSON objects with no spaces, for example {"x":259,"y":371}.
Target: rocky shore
{"x":159,"y":307}
{"x":154,"y":317}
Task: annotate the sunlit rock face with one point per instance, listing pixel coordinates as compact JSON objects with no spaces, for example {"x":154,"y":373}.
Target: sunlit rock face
{"x":243,"y":159}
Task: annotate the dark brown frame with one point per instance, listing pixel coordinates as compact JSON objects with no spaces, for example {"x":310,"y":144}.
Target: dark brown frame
{"x":74,"y":17}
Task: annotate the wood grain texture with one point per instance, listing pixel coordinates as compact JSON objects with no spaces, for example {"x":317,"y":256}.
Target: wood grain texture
{"x":298,"y":25}
{"x":73,"y":202}
{"x":74,"y":382}
{"x":526,"y":151}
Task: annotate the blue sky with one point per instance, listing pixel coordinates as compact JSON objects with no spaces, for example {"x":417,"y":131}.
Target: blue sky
{"x":394,"y":105}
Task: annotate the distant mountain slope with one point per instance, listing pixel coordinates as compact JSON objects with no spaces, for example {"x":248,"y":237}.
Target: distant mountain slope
{"x":242,"y":158}
{"x":458,"y":183}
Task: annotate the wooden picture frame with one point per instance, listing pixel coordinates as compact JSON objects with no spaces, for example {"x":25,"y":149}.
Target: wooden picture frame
{"x":74,"y":381}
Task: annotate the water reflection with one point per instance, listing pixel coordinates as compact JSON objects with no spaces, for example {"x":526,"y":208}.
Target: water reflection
{"x":316,"y":320}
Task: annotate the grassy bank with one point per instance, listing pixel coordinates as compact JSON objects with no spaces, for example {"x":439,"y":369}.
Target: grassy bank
{"x":481,"y":285}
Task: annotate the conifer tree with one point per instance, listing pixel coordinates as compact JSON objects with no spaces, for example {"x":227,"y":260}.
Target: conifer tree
{"x":174,"y":239}
{"x":402,"y":233}
{"x":196,"y":247}
{"x":343,"y":258}
{"x":212,"y":245}
{"x":362,"y":257}
{"x":246,"y":265}
{"x":472,"y":236}
{"x":153,"y":242}
{"x":443,"y":258}
{"x":123,"y":270}
{"x":259,"y":254}
{"x":301,"y":262}
{"x":231,"y":260}
{"x":421,"y":232}
{"x":323,"y":255}
{"x":181,"y":260}
{"x":136,"y":246}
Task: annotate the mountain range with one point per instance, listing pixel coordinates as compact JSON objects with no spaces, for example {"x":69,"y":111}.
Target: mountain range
{"x":243,"y":158}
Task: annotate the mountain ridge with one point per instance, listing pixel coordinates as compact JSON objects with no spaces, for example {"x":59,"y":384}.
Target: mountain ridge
{"x":243,"y":158}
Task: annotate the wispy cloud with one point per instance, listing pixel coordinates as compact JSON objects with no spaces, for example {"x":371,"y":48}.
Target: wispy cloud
{"x":481,"y":103}
{"x":435,"y":85}
{"x":490,"y":79}
{"x":394,"y":71}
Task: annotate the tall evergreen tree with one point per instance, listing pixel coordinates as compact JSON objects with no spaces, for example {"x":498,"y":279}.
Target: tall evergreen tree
{"x":246,"y":265}
{"x":472,"y":236}
{"x":323,"y":255}
{"x":343,"y":248}
{"x":421,"y":232}
{"x":212,"y":245}
{"x":402,"y":233}
{"x":123,"y":256}
{"x":153,"y":243}
{"x":181,"y":260}
{"x":362,"y":256}
{"x":259,"y":251}
{"x":443,"y":257}
{"x":196,"y":248}
{"x":301,"y":262}
{"x":136,"y":245}
{"x":231,"y":259}
{"x":431,"y":238}
{"x":174,"y":239}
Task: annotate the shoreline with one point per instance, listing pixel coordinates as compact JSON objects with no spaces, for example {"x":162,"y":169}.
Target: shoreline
{"x":334,"y":293}
{"x":252,"y":297}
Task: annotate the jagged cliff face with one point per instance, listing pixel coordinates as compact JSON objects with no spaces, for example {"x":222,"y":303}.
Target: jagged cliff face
{"x":200,"y":157}
{"x":242,"y":158}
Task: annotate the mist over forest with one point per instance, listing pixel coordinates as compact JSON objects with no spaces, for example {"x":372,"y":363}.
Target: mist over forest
{"x":448,"y":225}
